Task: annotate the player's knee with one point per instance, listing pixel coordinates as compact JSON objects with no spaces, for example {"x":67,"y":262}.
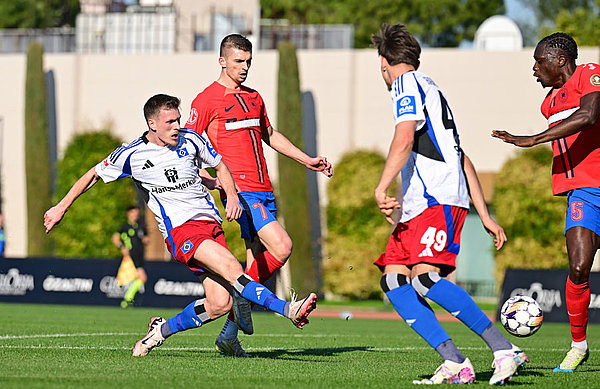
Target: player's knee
{"x":392,"y":281}
{"x":218,"y":304}
{"x":282,"y":250}
{"x":423,"y":282}
{"x":578,"y":273}
{"x":232,"y":269}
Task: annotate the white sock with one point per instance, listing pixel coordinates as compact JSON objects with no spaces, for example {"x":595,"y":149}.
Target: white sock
{"x":580,"y":345}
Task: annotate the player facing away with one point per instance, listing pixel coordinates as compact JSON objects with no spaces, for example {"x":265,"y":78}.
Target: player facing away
{"x":131,"y":239}
{"x":235,"y":119}
{"x":572,"y":107}
{"x":163,"y":163}
{"x":437,"y":178}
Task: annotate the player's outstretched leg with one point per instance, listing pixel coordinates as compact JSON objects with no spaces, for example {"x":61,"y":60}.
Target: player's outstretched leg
{"x":507,"y":357}
{"x":192,"y":316}
{"x":296,"y":311}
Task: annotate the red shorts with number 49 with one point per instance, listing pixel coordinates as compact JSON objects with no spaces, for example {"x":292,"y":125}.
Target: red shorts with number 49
{"x":183,"y":240}
{"x":433,"y":237}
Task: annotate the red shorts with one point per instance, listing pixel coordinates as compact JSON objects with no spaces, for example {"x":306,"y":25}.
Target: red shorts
{"x":183,"y":241}
{"x":433,"y":237}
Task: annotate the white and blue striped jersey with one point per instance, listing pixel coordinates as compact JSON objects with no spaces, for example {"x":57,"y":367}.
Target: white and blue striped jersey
{"x":168,"y":177}
{"x":433,"y":173}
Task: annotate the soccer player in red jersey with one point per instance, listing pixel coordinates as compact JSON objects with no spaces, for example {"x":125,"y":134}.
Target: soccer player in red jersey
{"x":572,"y":107}
{"x":235,"y":119}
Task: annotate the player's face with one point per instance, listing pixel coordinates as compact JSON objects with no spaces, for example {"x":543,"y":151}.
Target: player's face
{"x":387,"y":77}
{"x":236,"y":63}
{"x":546,"y":68}
{"x":133,"y":214}
{"x":164,"y":127}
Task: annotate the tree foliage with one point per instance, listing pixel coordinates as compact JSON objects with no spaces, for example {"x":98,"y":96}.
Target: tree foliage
{"x":293,"y":188}
{"x":38,"y":13}
{"x":37,"y":159}
{"x":435,"y":22}
{"x":581,"y":23}
{"x":578,"y":18}
{"x":88,"y":225}
{"x":356,"y":231}
{"x":532,"y":217}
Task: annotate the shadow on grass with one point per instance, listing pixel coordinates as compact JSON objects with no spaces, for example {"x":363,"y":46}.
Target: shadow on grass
{"x":281,"y":354}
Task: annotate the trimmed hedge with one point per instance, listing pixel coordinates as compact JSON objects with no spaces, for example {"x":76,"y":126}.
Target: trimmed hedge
{"x":98,"y":213}
{"x":357,"y":232}
{"x":532,"y":217}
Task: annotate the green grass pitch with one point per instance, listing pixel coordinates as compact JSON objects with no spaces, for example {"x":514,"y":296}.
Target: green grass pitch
{"x":52,"y":346}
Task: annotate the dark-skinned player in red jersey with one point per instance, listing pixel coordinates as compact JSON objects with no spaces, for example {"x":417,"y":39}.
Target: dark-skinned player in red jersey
{"x":235,"y":120}
{"x":572,"y":107}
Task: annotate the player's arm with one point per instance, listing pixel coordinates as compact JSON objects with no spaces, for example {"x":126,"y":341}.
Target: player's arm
{"x":476,"y":193}
{"x":400,"y":148}
{"x":54,"y":215}
{"x":585,"y":116}
{"x":282,"y":145}
{"x":233,"y":209}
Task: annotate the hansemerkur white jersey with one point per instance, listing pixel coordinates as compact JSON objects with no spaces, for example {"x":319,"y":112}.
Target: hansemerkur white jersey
{"x":433,"y":173}
{"x":168,"y":177}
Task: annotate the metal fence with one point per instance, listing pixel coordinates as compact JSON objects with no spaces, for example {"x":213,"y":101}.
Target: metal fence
{"x":340,"y":36}
{"x":54,"y":40}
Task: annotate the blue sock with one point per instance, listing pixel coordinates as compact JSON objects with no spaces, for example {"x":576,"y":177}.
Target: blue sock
{"x":457,"y":301}
{"x":413,"y":309}
{"x":259,"y":294}
{"x":192,"y":316}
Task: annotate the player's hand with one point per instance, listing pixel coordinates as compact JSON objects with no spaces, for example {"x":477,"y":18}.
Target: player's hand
{"x":387,"y":205}
{"x":53,"y":216}
{"x":320,"y":164}
{"x":517,"y":140}
{"x":495,"y":230}
{"x":233,"y":209}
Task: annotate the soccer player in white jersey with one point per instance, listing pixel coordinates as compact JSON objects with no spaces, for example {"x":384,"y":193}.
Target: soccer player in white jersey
{"x":437,"y":178}
{"x":164,"y":162}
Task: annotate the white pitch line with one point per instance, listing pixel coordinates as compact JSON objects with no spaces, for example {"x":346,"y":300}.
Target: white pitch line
{"x":35,"y":336}
{"x":255,"y":349}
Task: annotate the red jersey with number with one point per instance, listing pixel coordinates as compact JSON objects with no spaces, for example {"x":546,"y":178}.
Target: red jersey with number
{"x":576,"y":162}
{"x":234,"y":120}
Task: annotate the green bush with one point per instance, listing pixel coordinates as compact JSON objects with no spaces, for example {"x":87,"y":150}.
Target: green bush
{"x":532,"y":217}
{"x":37,"y":159}
{"x":293,"y":188}
{"x":99,"y":212}
{"x":356,"y":231}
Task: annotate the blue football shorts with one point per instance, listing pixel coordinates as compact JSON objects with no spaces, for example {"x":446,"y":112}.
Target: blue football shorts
{"x":584,"y":210}
{"x":259,"y":210}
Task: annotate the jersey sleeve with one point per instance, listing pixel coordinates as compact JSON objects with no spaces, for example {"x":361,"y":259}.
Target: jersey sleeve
{"x":207,"y":156}
{"x":200,"y":115}
{"x":407,"y":101}
{"x":115,"y":166}
{"x":590,"y":78}
{"x":264,"y":118}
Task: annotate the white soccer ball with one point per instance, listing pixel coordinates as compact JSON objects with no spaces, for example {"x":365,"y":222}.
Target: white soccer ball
{"x":521,"y":316}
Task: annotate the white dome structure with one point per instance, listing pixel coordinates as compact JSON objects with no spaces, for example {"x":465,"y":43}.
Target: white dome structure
{"x":498,"y":33}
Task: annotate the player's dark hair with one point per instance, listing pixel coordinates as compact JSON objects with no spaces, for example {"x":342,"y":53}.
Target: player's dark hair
{"x":132,"y":207}
{"x":235,"y":41}
{"x":158,"y":102}
{"x":561,"y":42}
{"x":397,"y":45}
